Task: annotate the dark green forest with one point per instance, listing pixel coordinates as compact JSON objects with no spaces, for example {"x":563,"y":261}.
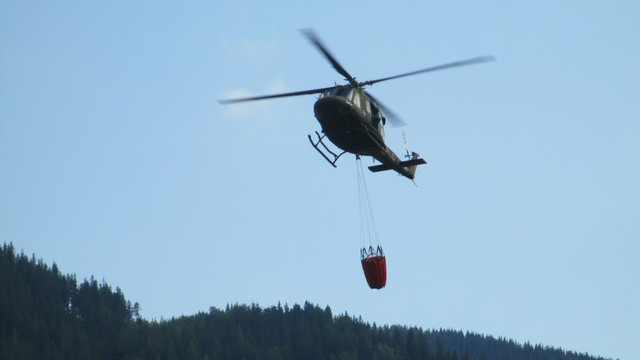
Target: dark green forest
{"x":47,"y":315}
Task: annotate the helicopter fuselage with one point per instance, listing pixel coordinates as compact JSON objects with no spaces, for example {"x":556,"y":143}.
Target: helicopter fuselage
{"x":354,"y":123}
{"x":347,"y":120}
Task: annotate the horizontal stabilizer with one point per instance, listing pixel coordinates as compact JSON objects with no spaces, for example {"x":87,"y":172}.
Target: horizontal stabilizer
{"x":381,"y":167}
{"x":408,"y":163}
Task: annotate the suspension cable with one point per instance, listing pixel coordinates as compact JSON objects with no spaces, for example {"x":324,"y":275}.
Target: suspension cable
{"x":368,"y":230}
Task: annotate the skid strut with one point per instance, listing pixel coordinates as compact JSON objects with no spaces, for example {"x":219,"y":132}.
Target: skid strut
{"x":319,"y":142}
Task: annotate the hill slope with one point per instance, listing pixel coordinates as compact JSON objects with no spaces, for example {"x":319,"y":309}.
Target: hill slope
{"x":47,"y":315}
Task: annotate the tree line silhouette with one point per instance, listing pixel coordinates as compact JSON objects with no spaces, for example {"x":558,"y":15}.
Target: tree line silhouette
{"x":47,"y":315}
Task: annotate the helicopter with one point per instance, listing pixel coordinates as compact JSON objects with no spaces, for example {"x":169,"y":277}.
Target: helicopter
{"x":353,"y":119}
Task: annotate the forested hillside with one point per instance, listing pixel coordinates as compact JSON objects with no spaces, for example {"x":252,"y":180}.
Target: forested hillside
{"x":47,"y":315}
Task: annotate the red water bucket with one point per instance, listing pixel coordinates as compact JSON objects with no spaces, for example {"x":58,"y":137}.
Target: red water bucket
{"x":374,"y":265}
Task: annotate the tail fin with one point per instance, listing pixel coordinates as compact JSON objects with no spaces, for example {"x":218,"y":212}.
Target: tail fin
{"x":412,"y":164}
{"x":414,"y":159}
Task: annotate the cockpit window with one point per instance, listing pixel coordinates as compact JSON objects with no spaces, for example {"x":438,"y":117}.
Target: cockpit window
{"x":344,"y":92}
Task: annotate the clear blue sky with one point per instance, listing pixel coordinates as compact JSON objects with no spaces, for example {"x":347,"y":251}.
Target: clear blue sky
{"x":116,"y":160}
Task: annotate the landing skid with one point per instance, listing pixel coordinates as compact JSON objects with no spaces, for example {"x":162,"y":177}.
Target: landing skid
{"x":319,"y":142}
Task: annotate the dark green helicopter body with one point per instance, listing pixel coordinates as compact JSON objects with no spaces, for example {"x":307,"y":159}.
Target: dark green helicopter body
{"x":353,"y":120}
{"x":347,"y":120}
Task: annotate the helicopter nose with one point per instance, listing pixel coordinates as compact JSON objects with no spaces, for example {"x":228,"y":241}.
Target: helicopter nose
{"x":331,"y":107}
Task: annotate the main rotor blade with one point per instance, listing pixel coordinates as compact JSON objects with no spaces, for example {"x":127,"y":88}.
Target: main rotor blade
{"x":315,"y":40}
{"x":273,"y":96}
{"x":393,"y":118}
{"x":477,"y":60}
